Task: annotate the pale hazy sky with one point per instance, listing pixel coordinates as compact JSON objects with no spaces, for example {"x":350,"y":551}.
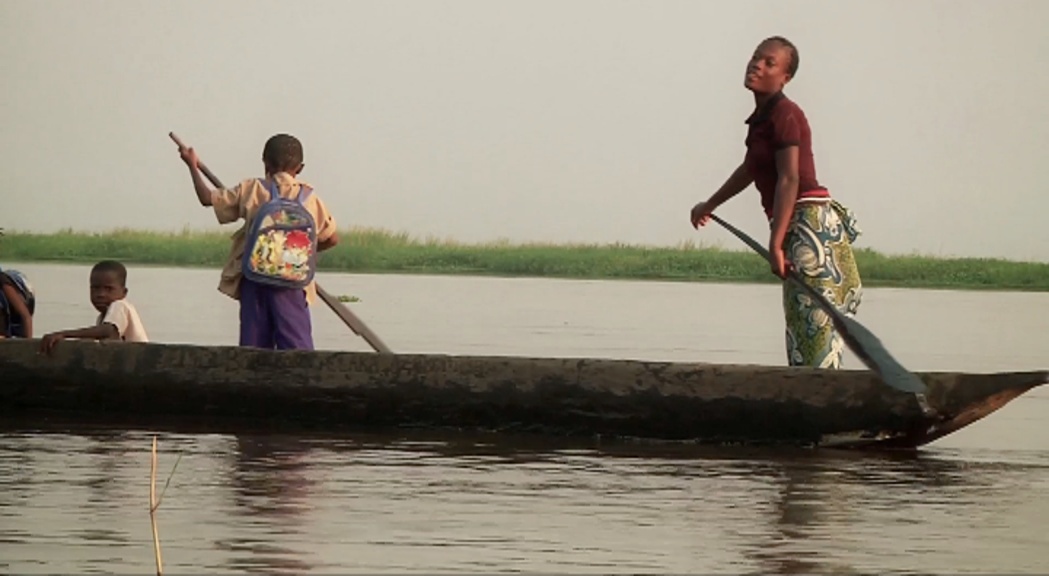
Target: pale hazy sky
{"x":532,"y":120}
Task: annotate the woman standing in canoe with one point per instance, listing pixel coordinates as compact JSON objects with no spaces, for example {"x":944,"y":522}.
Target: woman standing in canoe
{"x":809,"y":230}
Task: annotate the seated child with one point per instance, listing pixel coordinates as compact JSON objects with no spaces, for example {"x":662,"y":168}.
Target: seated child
{"x":117,"y":318}
{"x":17,"y":304}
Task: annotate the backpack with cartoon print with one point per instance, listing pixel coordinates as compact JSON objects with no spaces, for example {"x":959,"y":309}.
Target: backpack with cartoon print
{"x":281,"y":245}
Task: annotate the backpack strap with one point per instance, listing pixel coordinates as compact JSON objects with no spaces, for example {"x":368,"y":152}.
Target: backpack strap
{"x":270,"y":187}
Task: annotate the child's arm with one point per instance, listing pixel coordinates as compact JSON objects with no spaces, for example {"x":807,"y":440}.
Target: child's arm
{"x":204,"y":193}
{"x":189,"y":156}
{"x":18,"y":306}
{"x":327,"y":230}
{"x":225,"y":202}
{"x":104,"y":331}
{"x":328,"y":242}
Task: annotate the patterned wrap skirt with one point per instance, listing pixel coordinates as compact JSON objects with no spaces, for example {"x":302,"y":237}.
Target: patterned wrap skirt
{"x":819,"y":245}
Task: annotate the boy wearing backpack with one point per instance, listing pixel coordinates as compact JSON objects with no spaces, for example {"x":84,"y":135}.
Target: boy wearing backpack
{"x":272,"y":258}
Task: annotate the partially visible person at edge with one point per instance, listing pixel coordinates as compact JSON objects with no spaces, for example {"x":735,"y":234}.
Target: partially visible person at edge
{"x":17,"y":305}
{"x":270,"y":317}
{"x":809,"y":230}
{"x":117,"y":317}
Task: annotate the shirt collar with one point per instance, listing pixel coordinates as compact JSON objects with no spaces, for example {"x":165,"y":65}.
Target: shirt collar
{"x":762,"y":113}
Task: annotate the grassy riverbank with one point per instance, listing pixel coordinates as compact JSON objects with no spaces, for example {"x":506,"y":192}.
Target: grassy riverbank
{"x":376,"y":251}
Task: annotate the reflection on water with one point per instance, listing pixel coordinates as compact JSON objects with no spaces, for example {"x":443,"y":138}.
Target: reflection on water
{"x":272,"y":491}
{"x":288,"y":505}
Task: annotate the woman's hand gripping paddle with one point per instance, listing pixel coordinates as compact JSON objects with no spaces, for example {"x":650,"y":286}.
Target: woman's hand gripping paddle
{"x":341,"y":310}
{"x":859,"y":339}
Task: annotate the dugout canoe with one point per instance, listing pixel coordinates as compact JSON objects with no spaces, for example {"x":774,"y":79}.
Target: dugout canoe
{"x":704,"y":403}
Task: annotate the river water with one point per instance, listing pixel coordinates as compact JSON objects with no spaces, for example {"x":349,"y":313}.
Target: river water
{"x":74,"y":499}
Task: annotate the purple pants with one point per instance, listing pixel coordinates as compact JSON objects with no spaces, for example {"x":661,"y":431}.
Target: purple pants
{"x":274,"y":318}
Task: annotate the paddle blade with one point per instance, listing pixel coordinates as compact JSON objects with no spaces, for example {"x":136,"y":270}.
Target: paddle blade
{"x":860,"y":340}
{"x":356,"y":324}
{"x":876,"y":357}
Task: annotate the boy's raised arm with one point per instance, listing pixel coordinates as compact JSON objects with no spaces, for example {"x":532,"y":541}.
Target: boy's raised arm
{"x":204,"y":193}
{"x":189,"y":156}
{"x":225,"y":202}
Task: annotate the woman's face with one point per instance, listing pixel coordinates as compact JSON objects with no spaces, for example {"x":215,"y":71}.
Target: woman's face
{"x":767,"y":71}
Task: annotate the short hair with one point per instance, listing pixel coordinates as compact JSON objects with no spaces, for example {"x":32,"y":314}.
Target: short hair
{"x":282,"y":153}
{"x":114,"y":267}
{"x":792,"y":69}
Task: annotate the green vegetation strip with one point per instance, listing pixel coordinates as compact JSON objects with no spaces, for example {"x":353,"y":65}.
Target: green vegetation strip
{"x":377,"y":251}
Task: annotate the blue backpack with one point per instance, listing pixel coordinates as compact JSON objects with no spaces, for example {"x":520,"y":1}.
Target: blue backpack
{"x":281,"y":245}
{"x":14,"y":326}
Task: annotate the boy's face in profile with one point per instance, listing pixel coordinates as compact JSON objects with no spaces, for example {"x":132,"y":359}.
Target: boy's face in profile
{"x":105,"y":289}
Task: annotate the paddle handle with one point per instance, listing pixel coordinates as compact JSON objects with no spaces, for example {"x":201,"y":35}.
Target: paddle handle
{"x":341,"y":310}
{"x":743,"y":236}
{"x":891,"y":371}
{"x":200,"y":165}
{"x":829,"y":308}
{"x":791,"y":272}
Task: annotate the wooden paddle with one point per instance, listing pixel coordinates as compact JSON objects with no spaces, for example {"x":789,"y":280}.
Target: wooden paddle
{"x":341,"y":310}
{"x":859,"y":339}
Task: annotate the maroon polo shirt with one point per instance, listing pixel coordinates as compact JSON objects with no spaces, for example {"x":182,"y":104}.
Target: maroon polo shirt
{"x":780,"y":123}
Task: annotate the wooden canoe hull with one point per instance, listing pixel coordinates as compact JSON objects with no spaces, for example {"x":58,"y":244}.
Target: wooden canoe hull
{"x":709,"y":403}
